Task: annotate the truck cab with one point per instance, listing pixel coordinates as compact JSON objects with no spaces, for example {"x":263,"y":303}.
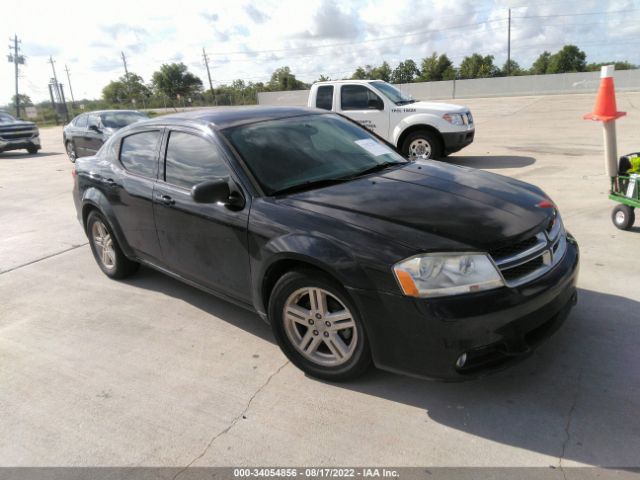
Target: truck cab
{"x":418,"y":129}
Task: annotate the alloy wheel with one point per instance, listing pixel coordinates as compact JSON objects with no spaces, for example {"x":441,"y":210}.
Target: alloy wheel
{"x":320,"y":327}
{"x":71,"y":152}
{"x":419,"y":149}
{"x":104,"y":245}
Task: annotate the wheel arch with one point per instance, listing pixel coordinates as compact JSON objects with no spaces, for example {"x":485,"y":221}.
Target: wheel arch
{"x":94,"y":199}
{"x":416,"y":128}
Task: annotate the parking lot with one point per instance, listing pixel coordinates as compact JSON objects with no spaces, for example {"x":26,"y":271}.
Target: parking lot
{"x":156,"y":373}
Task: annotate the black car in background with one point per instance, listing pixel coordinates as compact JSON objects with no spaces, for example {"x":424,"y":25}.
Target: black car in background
{"x":86,"y":133}
{"x":17,"y":134}
{"x":352,"y":253}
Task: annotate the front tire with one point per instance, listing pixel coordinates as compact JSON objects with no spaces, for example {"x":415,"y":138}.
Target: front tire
{"x":422,"y":145}
{"x":623,"y":217}
{"x":106,"y":249}
{"x":32,"y":150}
{"x":317,"y":326}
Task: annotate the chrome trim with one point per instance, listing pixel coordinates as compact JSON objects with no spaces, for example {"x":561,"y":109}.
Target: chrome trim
{"x":542,"y":243}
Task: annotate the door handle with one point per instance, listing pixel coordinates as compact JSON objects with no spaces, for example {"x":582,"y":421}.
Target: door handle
{"x":167,"y":200}
{"x":110,"y":182}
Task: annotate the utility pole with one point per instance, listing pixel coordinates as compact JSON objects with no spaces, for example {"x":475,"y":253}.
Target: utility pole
{"x":206,"y":62}
{"x":53,"y":67}
{"x":73,"y":101}
{"x":17,"y":59}
{"x":124,"y":62}
{"x":509,"y":46}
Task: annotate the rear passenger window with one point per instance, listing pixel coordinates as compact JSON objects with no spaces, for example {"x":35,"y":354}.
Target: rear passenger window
{"x":80,"y":122}
{"x":324,"y":97}
{"x":192,"y":159}
{"x":139,"y":153}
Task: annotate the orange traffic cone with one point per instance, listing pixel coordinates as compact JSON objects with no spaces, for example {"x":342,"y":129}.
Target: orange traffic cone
{"x":605,"y":109}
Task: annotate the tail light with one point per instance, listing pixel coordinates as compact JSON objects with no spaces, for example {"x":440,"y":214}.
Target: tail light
{"x":74,"y":172}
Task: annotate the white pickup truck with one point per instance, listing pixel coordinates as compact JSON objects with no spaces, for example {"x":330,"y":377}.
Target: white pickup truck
{"x":418,"y":129}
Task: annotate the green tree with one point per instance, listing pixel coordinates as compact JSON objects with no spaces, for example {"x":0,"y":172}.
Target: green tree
{"x":512,"y":67}
{"x":541,"y":65}
{"x":174,"y":79}
{"x":361,"y":73}
{"x":383,"y":72}
{"x":25,"y":100}
{"x":405,"y":72}
{"x":569,"y":59}
{"x":435,"y":68}
{"x":127,"y":88}
{"x":477,"y":66}
{"x":283,"y":79}
{"x":621,"y":65}
{"x":323,"y":78}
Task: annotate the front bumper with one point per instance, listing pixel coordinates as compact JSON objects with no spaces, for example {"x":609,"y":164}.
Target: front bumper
{"x":425,"y":337}
{"x":19,"y":143}
{"x":454,"y":141}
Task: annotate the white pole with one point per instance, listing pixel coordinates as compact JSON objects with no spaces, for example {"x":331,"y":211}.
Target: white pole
{"x":609,"y":130}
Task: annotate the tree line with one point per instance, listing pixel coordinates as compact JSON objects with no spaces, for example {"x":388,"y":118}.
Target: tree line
{"x":174,"y":86}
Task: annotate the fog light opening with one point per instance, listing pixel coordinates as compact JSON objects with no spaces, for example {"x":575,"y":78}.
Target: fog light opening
{"x":462,"y":359}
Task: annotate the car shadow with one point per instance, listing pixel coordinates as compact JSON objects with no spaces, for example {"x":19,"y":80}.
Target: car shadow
{"x":21,"y":155}
{"x":577,"y":396}
{"x":492,"y":161}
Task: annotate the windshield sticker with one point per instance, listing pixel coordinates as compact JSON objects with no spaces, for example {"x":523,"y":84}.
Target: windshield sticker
{"x":373,"y":147}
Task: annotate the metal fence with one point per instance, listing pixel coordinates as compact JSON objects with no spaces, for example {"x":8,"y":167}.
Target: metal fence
{"x":561,"y":83}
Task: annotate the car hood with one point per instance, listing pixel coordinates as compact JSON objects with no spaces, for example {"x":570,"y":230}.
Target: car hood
{"x":473,"y":208}
{"x":18,"y":123}
{"x":437,"y":107}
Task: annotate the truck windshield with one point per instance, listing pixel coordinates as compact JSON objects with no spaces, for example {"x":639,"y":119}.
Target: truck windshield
{"x":309,"y":151}
{"x":392,"y":93}
{"x":6,"y":118}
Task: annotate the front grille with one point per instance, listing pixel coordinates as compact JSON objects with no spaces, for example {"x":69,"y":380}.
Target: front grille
{"x":526,"y":260}
{"x":17,"y":132}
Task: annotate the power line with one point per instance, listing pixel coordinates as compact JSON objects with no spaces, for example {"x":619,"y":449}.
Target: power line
{"x":580,"y":14}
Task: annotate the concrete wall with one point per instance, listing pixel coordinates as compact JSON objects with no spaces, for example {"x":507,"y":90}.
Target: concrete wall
{"x":562,"y":83}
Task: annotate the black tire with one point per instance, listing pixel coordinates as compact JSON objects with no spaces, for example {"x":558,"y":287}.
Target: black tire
{"x":32,"y":150}
{"x":436,"y":150}
{"x":623,"y":217}
{"x":121,"y":266}
{"x":71,"y":151}
{"x":291,"y":282}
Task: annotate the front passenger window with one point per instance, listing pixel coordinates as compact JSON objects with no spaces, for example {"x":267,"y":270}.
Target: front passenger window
{"x":191,"y":160}
{"x":359,"y":97}
{"x":139,"y":153}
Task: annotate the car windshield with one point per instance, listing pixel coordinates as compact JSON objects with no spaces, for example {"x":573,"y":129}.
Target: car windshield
{"x":121,"y":119}
{"x":392,"y":93}
{"x":6,"y":118}
{"x":309,"y":151}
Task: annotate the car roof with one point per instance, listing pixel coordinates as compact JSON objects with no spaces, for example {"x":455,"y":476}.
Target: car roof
{"x":333,"y":82}
{"x":230,"y":116}
{"x":98,"y":112}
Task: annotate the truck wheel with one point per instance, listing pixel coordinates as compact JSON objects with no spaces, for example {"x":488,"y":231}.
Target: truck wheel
{"x":32,"y":150}
{"x":623,"y":217}
{"x":422,"y":145}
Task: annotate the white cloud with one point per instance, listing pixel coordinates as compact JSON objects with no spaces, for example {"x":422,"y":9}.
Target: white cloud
{"x":295,"y":33}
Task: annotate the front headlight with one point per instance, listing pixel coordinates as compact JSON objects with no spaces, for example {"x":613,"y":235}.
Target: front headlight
{"x":454,"y":118}
{"x":442,"y":274}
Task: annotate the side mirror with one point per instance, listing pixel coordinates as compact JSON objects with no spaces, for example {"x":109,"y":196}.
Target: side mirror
{"x":375,"y":104}
{"x":95,"y":128}
{"x":211,"y":191}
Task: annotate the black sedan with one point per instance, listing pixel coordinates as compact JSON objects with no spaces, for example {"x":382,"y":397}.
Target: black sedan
{"x":87,"y":132}
{"x":352,"y":253}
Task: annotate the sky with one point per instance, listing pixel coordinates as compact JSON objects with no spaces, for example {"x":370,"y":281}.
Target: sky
{"x":250,"y":39}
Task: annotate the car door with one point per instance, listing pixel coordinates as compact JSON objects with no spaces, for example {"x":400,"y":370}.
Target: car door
{"x":366,"y":107}
{"x":78,"y":130}
{"x":93,"y":137}
{"x":203,"y":242}
{"x":130,"y":190}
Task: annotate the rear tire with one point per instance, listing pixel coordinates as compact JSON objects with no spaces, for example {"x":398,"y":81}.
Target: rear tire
{"x":422,"y":145}
{"x":623,"y":217}
{"x":317,"y":326}
{"x":106,"y":250}
{"x":71,"y":151}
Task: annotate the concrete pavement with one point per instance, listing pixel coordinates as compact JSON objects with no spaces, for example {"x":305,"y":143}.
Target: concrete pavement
{"x":153,"y":372}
